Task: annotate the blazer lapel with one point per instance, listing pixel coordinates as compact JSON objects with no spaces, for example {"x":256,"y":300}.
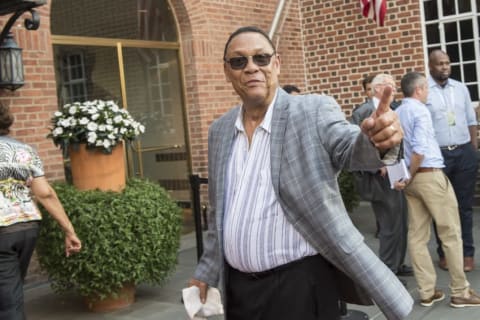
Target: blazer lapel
{"x":225,"y":149}
{"x":279,"y":125}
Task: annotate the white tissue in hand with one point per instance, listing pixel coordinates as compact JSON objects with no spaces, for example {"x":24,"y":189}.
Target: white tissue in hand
{"x":195,"y":308}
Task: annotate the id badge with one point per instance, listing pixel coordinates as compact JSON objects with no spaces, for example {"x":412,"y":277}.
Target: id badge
{"x":451,"y":118}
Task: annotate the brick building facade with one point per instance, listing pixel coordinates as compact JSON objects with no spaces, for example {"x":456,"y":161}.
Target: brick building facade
{"x":325,"y":46}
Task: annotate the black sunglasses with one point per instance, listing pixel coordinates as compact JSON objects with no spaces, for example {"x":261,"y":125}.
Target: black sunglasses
{"x":261,"y":60}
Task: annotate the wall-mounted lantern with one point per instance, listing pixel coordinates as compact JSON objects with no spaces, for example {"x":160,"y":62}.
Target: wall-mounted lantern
{"x":11,"y":64}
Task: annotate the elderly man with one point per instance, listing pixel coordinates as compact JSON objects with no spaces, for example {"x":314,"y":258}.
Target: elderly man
{"x":278,"y":227}
{"x":389,"y":206}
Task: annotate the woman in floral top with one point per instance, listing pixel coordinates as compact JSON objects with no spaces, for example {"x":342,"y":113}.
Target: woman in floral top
{"x":21,"y":177}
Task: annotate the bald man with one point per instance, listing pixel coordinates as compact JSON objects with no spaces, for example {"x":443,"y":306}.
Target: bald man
{"x":455,"y":125}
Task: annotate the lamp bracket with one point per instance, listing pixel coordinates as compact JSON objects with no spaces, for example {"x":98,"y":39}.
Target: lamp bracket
{"x":34,"y":23}
{"x":30,"y":24}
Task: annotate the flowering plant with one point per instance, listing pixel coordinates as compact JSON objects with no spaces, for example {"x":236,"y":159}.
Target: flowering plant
{"x":99,"y":124}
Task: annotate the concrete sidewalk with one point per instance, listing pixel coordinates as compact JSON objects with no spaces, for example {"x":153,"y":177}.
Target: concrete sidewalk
{"x":163,"y":303}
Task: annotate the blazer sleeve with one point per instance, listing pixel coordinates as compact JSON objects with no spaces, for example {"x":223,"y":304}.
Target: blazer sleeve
{"x":210,"y":264}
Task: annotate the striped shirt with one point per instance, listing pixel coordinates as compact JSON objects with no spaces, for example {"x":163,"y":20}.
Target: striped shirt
{"x":257,"y":236}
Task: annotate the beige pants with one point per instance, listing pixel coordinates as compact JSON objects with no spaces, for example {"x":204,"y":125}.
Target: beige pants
{"x":430,"y":195}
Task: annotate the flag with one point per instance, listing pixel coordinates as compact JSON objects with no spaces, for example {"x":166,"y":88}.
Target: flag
{"x":374,"y":9}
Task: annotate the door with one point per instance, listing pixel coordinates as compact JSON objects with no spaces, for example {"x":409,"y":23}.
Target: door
{"x":128,"y":51}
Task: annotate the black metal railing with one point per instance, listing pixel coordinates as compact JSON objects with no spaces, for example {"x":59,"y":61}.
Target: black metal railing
{"x":195,"y":183}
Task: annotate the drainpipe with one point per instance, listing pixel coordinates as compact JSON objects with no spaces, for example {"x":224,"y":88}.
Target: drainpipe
{"x":276,"y":18}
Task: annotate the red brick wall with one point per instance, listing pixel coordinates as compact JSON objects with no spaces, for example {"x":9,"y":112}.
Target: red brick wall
{"x":34,"y":103}
{"x":342,"y":47}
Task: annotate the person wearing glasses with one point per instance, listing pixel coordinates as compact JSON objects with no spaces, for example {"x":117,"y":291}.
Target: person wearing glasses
{"x":389,"y":205}
{"x":279,"y":235}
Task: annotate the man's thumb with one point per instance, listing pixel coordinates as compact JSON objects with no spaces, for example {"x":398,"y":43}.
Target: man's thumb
{"x":385,"y":101}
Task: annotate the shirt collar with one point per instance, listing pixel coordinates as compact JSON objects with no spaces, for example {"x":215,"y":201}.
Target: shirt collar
{"x":266,"y":123}
{"x":432,"y":83}
{"x":412,"y":101}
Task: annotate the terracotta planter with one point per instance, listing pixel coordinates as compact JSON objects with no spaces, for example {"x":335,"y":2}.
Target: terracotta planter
{"x":123,"y":298}
{"x":93,"y":169}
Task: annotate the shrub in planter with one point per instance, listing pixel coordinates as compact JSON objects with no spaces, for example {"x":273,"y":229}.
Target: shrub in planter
{"x":347,"y":189}
{"x":128,"y":237}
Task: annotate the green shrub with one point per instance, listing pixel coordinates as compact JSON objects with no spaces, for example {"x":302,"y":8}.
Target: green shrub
{"x":347,"y":189}
{"x":131,"y":236}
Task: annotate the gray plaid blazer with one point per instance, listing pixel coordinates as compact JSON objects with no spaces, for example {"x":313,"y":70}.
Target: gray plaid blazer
{"x":310,"y":143}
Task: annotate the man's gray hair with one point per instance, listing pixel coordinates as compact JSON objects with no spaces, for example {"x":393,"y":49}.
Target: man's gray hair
{"x":381,"y":78}
{"x":411,"y":81}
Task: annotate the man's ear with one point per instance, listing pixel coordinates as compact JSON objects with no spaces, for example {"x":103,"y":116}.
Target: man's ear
{"x":277,"y":61}
{"x":226,"y":71}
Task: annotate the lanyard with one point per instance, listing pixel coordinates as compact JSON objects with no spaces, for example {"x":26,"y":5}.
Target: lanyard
{"x":451,"y":101}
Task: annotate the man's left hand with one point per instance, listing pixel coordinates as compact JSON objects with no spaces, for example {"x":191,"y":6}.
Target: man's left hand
{"x":400,"y":185}
{"x":383,"y":127}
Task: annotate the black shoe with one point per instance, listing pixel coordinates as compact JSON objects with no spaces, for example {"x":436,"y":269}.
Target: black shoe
{"x":404,"y":271}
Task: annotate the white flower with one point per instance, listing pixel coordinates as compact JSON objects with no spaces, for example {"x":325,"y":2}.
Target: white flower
{"x":91,"y":137}
{"x":92,"y":110}
{"x":83,"y":121}
{"x":106,"y":143}
{"x":92,"y":126}
{"x":114,"y":107}
{"x":64,"y":123}
{"x":57,"y":131}
{"x":98,"y":123}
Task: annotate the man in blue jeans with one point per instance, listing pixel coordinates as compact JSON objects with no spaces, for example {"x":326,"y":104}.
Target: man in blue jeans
{"x":455,"y":126}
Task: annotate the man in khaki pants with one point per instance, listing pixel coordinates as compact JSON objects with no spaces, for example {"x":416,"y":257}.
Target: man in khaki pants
{"x":430,"y":196}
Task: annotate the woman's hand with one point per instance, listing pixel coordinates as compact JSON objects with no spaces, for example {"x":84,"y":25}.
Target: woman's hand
{"x":72,"y":244}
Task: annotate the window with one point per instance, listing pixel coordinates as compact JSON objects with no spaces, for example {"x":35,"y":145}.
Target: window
{"x":73,"y":79}
{"x":453,"y":26}
{"x":159,"y":87}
